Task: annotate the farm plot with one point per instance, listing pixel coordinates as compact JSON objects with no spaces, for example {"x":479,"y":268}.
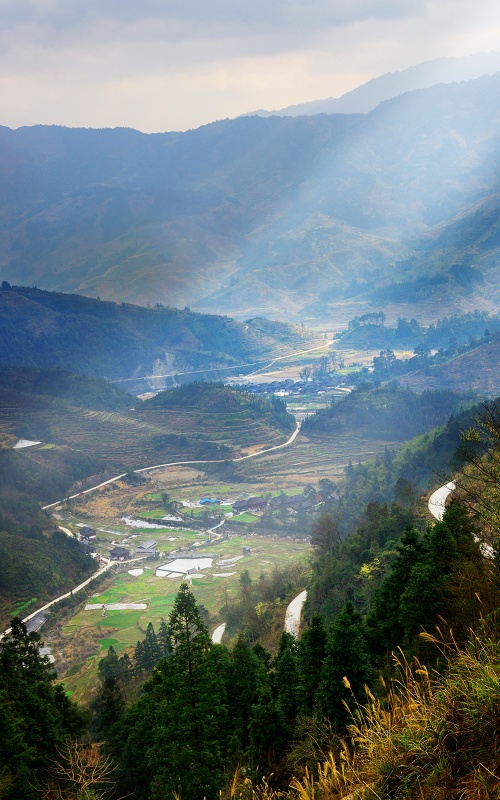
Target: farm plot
{"x":123,"y":628}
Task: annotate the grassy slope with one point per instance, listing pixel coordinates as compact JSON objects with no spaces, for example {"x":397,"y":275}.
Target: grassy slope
{"x":82,"y":441}
{"x":205,"y":421}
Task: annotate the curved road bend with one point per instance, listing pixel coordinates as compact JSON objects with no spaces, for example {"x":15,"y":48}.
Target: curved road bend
{"x":218,"y":633}
{"x":437,"y":500}
{"x":437,"y":508}
{"x":293,"y":614}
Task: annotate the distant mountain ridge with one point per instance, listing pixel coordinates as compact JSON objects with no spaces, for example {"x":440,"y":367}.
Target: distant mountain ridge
{"x":285,"y":217}
{"x":369,"y":95}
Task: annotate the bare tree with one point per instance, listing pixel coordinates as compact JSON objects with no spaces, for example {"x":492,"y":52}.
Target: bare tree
{"x":479,"y":480}
{"x":80,"y":772}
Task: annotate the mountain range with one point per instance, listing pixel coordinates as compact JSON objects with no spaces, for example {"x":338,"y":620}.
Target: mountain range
{"x":309,"y":218}
{"x":369,"y":95}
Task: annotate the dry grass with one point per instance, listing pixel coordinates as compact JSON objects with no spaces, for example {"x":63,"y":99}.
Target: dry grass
{"x":431,"y":738}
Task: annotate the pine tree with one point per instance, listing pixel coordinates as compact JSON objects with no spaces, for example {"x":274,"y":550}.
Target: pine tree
{"x":36,"y":716}
{"x":269,"y":733}
{"x":427,"y":592}
{"x":129,"y":741}
{"x":152,"y":651}
{"x":163,"y":638}
{"x":473,"y":587}
{"x":346,"y":658}
{"x":384,"y":625}
{"x":286,"y":677}
{"x":109,"y":666}
{"x":446,"y":582}
{"x":107,"y":707}
{"x":186,"y":753}
{"x":311,"y":654}
{"x":245,"y":675}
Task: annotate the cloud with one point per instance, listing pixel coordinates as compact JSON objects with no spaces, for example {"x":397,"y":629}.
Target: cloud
{"x":176,"y":21}
{"x":172,"y":64}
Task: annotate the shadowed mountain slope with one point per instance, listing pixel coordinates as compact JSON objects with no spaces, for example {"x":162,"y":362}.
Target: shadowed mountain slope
{"x":116,"y":340}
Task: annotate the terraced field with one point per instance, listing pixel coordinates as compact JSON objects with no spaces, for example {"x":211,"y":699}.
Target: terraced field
{"x":309,"y":460}
{"x":140,"y":437}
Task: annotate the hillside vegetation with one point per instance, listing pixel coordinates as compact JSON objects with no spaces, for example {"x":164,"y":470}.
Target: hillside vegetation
{"x":37,"y":562}
{"x":388,"y":411}
{"x":195,"y":421}
{"x":312,"y":720}
{"x":117,"y":340}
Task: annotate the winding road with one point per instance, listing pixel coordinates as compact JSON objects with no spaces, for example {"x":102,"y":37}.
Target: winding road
{"x":437,"y":507}
{"x":117,"y":478}
{"x":71,"y":592}
{"x":225,"y":369}
{"x":218,"y":633}
{"x":176,"y":464}
{"x":294,"y":613}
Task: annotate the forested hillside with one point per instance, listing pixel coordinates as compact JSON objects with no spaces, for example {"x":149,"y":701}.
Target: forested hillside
{"x":318,"y":700}
{"x":117,"y":340}
{"x":395,"y":576}
{"x":388,"y":411}
{"x":37,"y":561}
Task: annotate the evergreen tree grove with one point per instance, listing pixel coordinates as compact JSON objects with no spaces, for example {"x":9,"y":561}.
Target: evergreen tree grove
{"x":36,"y":717}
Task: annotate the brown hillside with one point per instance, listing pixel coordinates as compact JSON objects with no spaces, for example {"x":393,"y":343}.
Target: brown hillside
{"x":478,"y":370}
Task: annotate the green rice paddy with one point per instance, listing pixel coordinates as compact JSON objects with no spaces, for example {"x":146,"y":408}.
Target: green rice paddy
{"x":122,"y":629}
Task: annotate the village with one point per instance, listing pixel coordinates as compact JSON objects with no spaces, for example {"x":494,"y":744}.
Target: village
{"x":247,"y":510}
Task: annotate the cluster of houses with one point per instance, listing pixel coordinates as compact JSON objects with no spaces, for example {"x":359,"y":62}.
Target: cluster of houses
{"x":297,"y":503}
{"x":147,"y":549}
{"x":289,"y":387}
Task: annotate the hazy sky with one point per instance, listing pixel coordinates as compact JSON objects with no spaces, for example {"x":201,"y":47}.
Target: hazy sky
{"x":161,"y":65}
